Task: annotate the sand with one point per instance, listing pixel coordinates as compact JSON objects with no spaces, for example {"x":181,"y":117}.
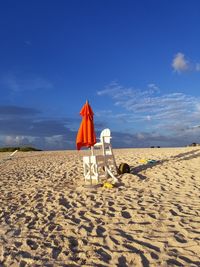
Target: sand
{"x":49,"y":217}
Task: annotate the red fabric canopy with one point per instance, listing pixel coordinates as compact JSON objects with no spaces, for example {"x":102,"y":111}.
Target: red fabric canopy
{"x":86,"y":134}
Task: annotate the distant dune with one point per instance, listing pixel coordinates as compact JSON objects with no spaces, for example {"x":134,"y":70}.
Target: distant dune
{"x":22,"y":149}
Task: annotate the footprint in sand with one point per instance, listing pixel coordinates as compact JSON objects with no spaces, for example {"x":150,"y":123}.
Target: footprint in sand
{"x":173,"y":262}
{"x":122,"y":262}
{"x":55,"y":252}
{"x":100,"y":230}
{"x":17,"y":244}
{"x":64,"y":202}
{"x":73,"y":244}
{"x":126,"y":214}
{"x":32,"y":244}
{"x":174,"y":213}
{"x":154,"y":256}
{"x":104,"y":255}
{"x":111,"y":209}
{"x":180,"y":238}
{"x":51,"y":215}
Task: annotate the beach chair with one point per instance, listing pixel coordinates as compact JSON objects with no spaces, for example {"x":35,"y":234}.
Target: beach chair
{"x":105,"y":138}
{"x":105,"y":146}
{"x":94,"y":164}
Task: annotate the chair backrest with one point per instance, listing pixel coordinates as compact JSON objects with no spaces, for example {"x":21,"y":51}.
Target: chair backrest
{"x":105,"y":136}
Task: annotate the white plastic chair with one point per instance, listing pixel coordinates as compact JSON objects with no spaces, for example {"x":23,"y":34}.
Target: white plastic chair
{"x":105,"y":143}
{"x":105,"y":137}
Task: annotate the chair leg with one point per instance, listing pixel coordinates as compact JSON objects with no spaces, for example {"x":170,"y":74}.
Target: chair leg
{"x":90,"y":170}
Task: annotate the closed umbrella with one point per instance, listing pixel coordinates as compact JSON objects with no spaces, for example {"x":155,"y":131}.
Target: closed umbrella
{"x":86,"y":136}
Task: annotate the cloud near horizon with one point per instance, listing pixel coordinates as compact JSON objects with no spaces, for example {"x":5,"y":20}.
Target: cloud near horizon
{"x":165,"y":114}
{"x":25,"y":126}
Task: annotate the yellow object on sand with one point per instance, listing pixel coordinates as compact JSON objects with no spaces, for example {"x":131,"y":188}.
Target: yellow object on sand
{"x":108,"y":185}
{"x":143,"y":160}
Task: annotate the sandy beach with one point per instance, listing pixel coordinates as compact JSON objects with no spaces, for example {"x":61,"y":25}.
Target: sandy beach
{"x":48,"y":217}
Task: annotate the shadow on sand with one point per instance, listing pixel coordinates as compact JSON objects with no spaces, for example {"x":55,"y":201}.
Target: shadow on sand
{"x":182,"y":156}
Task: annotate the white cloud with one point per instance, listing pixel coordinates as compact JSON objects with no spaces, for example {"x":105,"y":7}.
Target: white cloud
{"x":179,"y":63}
{"x":140,"y":136}
{"x":148,"y":117}
{"x":55,"y":142}
{"x":18,"y":83}
{"x":11,"y":140}
{"x":152,"y":109}
{"x":195,"y":127}
{"x":197,"y":66}
{"x":102,"y":113}
{"x":153,"y":87}
{"x":115,"y":90}
{"x":198,"y":107}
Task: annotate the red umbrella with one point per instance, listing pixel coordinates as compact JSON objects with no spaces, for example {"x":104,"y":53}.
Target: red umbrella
{"x":86,"y":134}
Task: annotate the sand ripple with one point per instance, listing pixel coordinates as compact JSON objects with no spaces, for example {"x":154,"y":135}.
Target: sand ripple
{"x":48,"y":217}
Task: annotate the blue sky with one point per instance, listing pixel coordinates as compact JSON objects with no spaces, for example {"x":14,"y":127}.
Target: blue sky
{"x":137,"y":62}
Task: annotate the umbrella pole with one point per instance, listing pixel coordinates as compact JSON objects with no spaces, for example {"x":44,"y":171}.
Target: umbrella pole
{"x":92,"y":150}
{"x":92,"y":154}
{"x":90,"y":170}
